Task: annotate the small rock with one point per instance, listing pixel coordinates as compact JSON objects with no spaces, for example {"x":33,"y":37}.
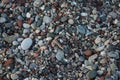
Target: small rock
{"x":98,"y":40}
{"x":2,"y":19}
{"x":102,"y":53}
{"x":63,"y":19}
{"x":26,"y":43}
{"x":32,"y":66}
{"x":88,"y":52}
{"x":15,"y":43}
{"x":25,"y":25}
{"x":9,"y":39}
{"x":26,"y":31}
{"x":103,"y":61}
{"x":28,"y":15}
{"x":81,"y":29}
{"x":70,"y":21}
{"x":14,"y":76}
{"x":8,"y":62}
{"x":37,"y":3}
{"x":19,"y":23}
{"x":92,"y":58}
{"x":81,"y":58}
{"x":84,"y":14}
{"x":46,"y":19}
{"x":91,"y":74}
{"x":60,"y":55}
{"x":40,"y":43}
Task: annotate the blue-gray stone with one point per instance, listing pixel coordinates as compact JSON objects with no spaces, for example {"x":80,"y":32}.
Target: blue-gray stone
{"x":81,"y":29}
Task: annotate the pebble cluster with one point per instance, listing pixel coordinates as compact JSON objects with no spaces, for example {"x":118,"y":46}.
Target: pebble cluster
{"x":59,"y":40}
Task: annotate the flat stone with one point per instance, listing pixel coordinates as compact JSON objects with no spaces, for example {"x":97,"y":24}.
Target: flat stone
{"x":25,"y":25}
{"x":84,"y":14}
{"x":97,"y":40}
{"x":14,"y":76}
{"x":26,"y":43}
{"x":15,"y":43}
{"x":60,"y":55}
{"x":40,"y":43}
{"x":47,"y":19}
{"x":9,"y":39}
{"x":70,"y":21}
{"x":26,"y":31}
{"x":92,"y":58}
{"x":2,"y":19}
{"x":91,"y":74}
{"x":81,"y":29}
{"x":37,"y":3}
{"x":63,"y":19}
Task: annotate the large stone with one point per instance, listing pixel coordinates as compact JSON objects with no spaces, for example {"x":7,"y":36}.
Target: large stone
{"x":26,"y":43}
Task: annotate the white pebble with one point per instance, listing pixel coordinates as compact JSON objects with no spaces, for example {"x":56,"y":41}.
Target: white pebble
{"x":25,"y":25}
{"x":28,"y":15}
{"x":26,"y":43}
{"x":15,"y":43}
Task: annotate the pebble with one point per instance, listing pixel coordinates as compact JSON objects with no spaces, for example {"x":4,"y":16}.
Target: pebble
{"x":97,"y":40}
{"x":70,"y":21}
{"x":60,"y":55}
{"x":40,"y":43}
{"x":92,"y":58}
{"x":46,"y":19}
{"x":92,"y":74}
{"x":84,"y":14}
{"x":28,"y":15}
{"x":15,"y":43}
{"x":8,"y":62}
{"x":81,"y":29}
{"x":14,"y":76}
{"x":2,"y":20}
{"x":25,"y":25}
{"x":26,"y":43}
{"x":88,"y":52}
{"x":37,"y":3}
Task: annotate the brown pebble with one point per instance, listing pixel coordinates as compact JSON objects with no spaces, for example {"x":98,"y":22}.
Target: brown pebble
{"x":101,"y":78}
{"x":19,"y":23}
{"x":35,"y":55}
{"x":8,"y":62}
{"x":88,"y":52}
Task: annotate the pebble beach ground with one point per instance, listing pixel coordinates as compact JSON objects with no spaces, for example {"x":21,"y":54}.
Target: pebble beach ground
{"x":59,"y":40}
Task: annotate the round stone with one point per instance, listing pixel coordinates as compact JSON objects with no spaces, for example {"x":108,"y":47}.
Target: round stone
{"x":15,"y":43}
{"x":92,"y":74}
{"x":26,"y":43}
{"x":2,"y":19}
{"x":25,"y":25}
{"x":46,"y":19}
{"x":60,"y":55}
{"x":97,"y":40}
{"x":28,"y":15}
{"x":70,"y":21}
{"x":14,"y":76}
{"x":88,"y":52}
{"x":37,"y":3}
{"x":26,"y":31}
{"x":40,"y":43}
